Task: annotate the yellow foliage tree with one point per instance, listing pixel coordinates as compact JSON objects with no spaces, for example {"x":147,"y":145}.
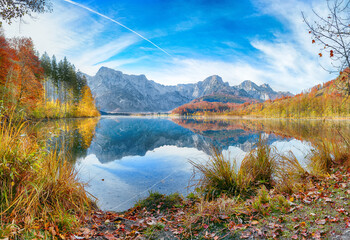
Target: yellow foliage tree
{"x":86,"y":106}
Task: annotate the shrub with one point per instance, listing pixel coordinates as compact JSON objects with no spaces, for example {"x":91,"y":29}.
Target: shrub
{"x":264,"y":203}
{"x":261,"y":203}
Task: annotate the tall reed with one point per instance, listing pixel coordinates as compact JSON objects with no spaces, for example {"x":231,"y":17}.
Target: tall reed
{"x":38,"y":189}
{"x":290,"y":175}
{"x":219,"y":176}
{"x":260,"y":163}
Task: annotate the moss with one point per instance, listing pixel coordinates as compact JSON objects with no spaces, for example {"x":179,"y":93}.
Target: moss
{"x":162,"y":202}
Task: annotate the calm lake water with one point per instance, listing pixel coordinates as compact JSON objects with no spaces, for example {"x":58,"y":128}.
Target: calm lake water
{"x":123,"y":158}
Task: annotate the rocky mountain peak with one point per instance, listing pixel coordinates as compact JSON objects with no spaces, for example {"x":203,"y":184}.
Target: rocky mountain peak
{"x":215,"y":79}
{"x":106,"y":70}
{"x":267,"y":86}
{"x":118,"y":92}
{"x":247,"y":85}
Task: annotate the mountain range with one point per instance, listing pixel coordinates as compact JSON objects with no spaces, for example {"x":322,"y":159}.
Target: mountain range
{"x":117,"y":92}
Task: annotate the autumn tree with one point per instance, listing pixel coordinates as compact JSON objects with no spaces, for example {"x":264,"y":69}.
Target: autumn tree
{"x":86,"y":106}
{"x":332,"y":33}
{"x":27,"y":75}
{"x":5,"y":61}
{"x":10,"y":9}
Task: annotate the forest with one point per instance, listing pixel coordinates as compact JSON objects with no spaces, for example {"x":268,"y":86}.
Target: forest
{"x":34,"y":86}
{"x":323,"y":100}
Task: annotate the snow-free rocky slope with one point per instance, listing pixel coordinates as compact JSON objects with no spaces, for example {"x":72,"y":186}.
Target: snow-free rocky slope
{"x":118,"y":92}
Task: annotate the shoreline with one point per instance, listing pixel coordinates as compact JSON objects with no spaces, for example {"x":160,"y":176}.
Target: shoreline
{"x":301,"y":216}
{"x":220,"y":116}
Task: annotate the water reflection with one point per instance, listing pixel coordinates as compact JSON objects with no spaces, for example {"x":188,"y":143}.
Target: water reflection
{"x":122,"y":158}
{"x":130,"y":156}
{"x":124,"y":136}
{"x":72,"y":136}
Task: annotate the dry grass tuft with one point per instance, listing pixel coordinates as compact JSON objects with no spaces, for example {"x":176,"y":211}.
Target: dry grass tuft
{"x":260,"y":164}
{"x":289,"y":174}
{"x":220,"y":176}
{"x":37,"y":189}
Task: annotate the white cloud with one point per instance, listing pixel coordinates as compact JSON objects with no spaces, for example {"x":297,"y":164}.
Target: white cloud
{"x":92,"y":57}
{"x":114,"y":64}
{"x":54,"y":32}
{"x":288,"y":62}
{"x":73,"y":32}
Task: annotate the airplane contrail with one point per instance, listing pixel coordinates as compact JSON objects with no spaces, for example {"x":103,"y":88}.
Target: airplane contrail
{"x":106,"y":17}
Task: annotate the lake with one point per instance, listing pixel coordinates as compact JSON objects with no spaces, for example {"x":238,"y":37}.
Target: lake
{"x":122,"y":159}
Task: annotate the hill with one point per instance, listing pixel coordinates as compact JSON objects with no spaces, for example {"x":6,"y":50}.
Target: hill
{"x":323,"y":100}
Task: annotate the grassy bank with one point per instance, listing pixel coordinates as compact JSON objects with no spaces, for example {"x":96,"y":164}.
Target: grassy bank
{"x":40,"y":195}
{"x":269,"y":196}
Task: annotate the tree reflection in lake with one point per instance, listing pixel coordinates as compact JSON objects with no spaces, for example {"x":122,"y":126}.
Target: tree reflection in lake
{"x":129,"y":156}
{"x":71,"y":136}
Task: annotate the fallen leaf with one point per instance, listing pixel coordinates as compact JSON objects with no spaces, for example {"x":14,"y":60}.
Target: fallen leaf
{"x":334,"y":219}
{"x":340,"y":210}
{"x":77,"y":237}
{"x":317,"y":235}
{"x":246,"y":235}
{"x":110,"y":237}
{"x":321,"y":222}
{"x":224,"y":217}
{"x":328,"y":199}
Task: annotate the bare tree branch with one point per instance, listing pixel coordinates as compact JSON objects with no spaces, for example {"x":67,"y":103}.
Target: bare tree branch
{"x":332,"y":33}
{"x":10,"y":9}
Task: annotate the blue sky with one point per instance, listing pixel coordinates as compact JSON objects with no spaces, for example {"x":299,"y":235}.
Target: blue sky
{"x":261,"y":40}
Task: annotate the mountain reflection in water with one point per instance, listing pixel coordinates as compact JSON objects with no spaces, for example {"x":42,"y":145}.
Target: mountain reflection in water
{"x":116,"y":138}
{"x":130,"y":156}
{"x":123,"y":158}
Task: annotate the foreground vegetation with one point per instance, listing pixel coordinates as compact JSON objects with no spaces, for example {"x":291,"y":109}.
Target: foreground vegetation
{"x":268,"y":196}
{"x":40,"y":195}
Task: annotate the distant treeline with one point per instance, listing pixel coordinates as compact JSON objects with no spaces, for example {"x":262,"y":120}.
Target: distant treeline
{"x":326,"y":100}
